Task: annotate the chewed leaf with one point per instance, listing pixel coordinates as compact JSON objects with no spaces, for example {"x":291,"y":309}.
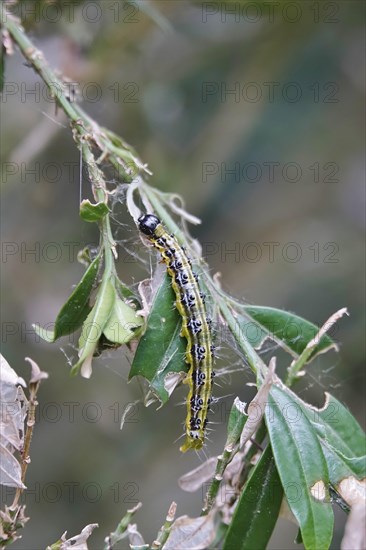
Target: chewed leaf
{"x":93,"y":212}
{"x":341,"y":466}
{"x":343,"y":440}
{"x":122,"y":323}
{"x":341,"y":428}
{"x":300,"y":459}
{"x":161,"y":349}
{"x":74,"y":312}
{"x":292,"y":332}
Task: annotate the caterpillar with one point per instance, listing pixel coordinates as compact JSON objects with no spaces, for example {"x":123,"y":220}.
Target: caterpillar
{"x":196,"y":328}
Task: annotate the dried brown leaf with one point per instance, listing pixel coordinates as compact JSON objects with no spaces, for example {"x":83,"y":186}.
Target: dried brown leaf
{"x":193,"y":480}
{"x":256,"y":407}
{"x":134,"y":536}
{"x":354,"y":493}
{"x":355,"y":530}
{"x":37,"y":374}
{"x":192,"y":533}
{"x":78,"y":542}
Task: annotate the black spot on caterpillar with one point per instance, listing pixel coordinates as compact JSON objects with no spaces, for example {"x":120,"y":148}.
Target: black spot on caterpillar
{"x":196,"y":328}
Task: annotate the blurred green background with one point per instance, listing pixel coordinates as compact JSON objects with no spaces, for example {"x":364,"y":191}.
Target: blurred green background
{"x":253,"y":112}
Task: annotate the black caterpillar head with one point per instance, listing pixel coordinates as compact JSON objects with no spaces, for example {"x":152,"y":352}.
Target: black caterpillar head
{"x":148,"y":223}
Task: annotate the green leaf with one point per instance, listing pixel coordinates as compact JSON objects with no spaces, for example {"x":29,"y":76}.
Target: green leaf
{"x":342,"y":438}
{"x":341,"y":428}
{"x":258,"y":508}
{"x":46,"y":334}
{"x":93,"y":212}
{"x":74,"y":312}
{"x":94,"y":325}
{"x":301,"y":466}
{"x":341,"y":467}
{"x":292,"y":332}
{"x":161,"y":349}
{"x":122,"y":323}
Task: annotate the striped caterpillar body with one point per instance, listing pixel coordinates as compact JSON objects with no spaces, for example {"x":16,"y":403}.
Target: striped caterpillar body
{"x":195,"y":328}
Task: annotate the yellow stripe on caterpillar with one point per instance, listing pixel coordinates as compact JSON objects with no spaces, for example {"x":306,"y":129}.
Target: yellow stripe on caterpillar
{"x":195,"y":328}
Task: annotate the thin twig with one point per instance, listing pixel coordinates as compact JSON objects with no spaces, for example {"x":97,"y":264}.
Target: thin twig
{"x":120,"y":532}
{"x":31,"y":420}
{"x":165,"y":530}
{"x":299,"y":363}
